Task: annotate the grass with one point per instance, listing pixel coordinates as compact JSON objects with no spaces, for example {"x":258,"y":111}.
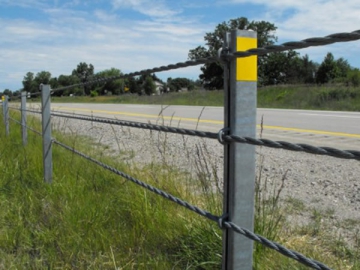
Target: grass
{"x":331,"y":97}
{"x":90,"y":218}
{"x":195,"y":98}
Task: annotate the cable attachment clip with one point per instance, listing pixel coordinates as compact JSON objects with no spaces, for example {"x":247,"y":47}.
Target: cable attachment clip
{"x":221,"y":133}
{"x":223,"y":219}
{"x":223,"y":54}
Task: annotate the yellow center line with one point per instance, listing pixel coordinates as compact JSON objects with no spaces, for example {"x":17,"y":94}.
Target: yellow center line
{"x":219,"y":122}
{"x":322,"y":132}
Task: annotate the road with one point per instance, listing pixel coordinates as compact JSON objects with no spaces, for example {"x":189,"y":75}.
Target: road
{"x":322,"y":128}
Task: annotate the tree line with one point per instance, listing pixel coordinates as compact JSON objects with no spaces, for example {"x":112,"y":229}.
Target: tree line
{"x":142,"y":85}
{"x":274,"y":68}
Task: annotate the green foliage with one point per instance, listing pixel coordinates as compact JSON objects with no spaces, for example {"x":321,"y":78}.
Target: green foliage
{"x":134,"y":85}
{"x":94,"y":93}
{"x":54,"y":83}
{"x":280,"y":68}
{"x":336,"y":94}
{"x":29,"y":83}
{"x":212,"y":74}
{"x":85,"y":73}
{"x":67,"y":80}
{"x":331,"y":69}
{"x":179,"y":83}
{"x":149,"y":86}
{"x":353,"y":77}
{"x":339,"y":98}
{"x":90,"y":218}
{"x":7,"y":92}
{"x":115,"y":87}
{"x":42,"y":77}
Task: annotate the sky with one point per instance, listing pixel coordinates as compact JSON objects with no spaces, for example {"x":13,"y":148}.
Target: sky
{"x":131,"y":35}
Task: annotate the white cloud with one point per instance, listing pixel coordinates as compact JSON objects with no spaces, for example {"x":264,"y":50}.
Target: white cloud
{"x":297,"y":20}
{"x":310,"y":17}
{"x":150,"y":8}
{"x":25,"y":3}
{"x":68,"y":37}
{"x":104,"y":16}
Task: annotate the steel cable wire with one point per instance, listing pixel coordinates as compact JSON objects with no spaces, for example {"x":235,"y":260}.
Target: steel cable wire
{"x":326,"y":151}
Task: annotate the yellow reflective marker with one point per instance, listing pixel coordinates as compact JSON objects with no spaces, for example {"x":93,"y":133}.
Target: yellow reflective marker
{"x":3,"y":97}
{"x":246,"y":67}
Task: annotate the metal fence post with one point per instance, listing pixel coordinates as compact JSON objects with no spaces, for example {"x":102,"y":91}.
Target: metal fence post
{"x":3,"y":107}
{"x":46,"y":132}
{"x":23,"y":118}
{"x":239,"y":172}
{"x":6,"y":115}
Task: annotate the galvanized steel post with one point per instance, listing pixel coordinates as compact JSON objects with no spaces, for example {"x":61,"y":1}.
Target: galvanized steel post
{"x":6,"y":115}
{"x":46,"y":132}
{"x":3,"y":107}
{"x":23,"y":118}
{"x":239,"y":174}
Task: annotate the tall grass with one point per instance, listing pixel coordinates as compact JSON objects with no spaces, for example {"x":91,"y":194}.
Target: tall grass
{"x":89,"y":218}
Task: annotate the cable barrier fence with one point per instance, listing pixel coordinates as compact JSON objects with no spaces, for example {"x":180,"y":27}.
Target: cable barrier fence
{"x":239,"y":58}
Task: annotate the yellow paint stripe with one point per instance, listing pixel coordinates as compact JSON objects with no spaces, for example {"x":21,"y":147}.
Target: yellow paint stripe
{"x":322,"y":132}
{"x":219,"y":122}
{"x":143,"y":115}
{"x":246,"y":67}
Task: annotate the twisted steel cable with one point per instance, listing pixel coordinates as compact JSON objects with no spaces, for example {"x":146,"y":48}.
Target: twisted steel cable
{"x":14,"y":120}
{"x":275,"y":246}
{"x":326,"y":151}
{"x":306,"y":43}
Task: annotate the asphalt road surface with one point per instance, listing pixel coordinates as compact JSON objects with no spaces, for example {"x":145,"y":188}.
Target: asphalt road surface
{"x":322,"y":128}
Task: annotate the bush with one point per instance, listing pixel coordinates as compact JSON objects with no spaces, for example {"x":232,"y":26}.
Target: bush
{"x":353,"y":77}
{"x":94,"y":94}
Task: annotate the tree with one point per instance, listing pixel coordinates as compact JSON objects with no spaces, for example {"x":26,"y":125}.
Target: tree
{"x":42,"y":77}
{"x":328,"y":70}
{"x":343,"y":67}
{"x":16,"y":93}
{"x":7,"y":92}
{"x":288,"y":67}
{"x":307,"y":69}
{"x":54,"y":83}
{"x":149,"y":86}
{"x":67,"y":80}
{"x":29,"y":83}
{"x":212,"y":74}
{"x":134,"y":85}
{"x":116,"y":86}
{"x":84,"y":72}
{"x":353,"y":77}
{"x":179,"y":83}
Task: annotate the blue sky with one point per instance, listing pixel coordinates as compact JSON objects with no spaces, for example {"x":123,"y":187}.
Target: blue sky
{"x":131,"y":35}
